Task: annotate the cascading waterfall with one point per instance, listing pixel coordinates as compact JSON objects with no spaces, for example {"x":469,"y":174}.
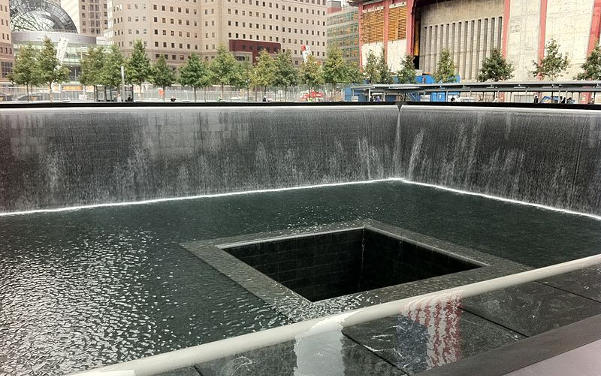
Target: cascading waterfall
{"x":68,"y":157}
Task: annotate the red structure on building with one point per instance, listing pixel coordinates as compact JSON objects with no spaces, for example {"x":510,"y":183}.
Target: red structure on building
{"x":251,"y":48}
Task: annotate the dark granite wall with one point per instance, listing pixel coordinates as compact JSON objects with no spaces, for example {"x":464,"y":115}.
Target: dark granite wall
{"x":74,"y":156}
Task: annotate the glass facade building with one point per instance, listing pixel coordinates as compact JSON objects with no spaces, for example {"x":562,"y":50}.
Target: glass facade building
{"x":40,"y":15}
{"x":343,"y":32}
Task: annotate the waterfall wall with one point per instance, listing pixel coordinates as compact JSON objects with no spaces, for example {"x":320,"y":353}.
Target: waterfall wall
{"x":545,"y":156}
{"x":57,"y":157}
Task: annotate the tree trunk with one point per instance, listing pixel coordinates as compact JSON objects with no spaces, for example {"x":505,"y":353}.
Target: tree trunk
{"x":205,"y":94}
{"x":164,"y":93}
{"x":222,"y":96}
{"x":194,"y":88}
{"x":50,"y":91}
{"x":28,"y":93}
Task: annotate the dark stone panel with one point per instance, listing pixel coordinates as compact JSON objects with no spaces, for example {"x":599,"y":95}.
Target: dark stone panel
{"x":434,"y":337}
{"x":65,"y":157}
{"x":526,"y":352}
{"x":532,"y":308}
{"x":585,"y":282}
{"x":326,"y":354}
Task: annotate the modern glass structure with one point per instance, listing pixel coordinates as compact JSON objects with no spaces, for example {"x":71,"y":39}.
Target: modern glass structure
{"x":343,"y":32}
{"x":40,"y":15}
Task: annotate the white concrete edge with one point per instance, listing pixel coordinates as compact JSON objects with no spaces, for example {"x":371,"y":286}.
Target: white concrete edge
{"x":190,"y":356}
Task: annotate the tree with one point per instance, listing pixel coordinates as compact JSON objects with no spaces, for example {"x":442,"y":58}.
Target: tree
{"x":495,"y":68}
{"x":372,"y":70}
{"x":353,"y":73}
{"x":224,"y":68}
{"x":286,"y":74}
{"x":407,"y":74}
{"x":195,"y":74}
{"x":24,"y":70}
{"x":137,"y":67}
{"x":591,"y":69}
{"x":263,"y":75}
{"x":334,"y":69}
{"x":245,"y":77}
{"x":48,"y":66}
{"x":385,"y":75}
{"x":162,"y":75}
{"x":311,"y":73}
{"x":553,"y":64}
{"x":445,"y":70}
{"x":111,"y":71}
{"x":91,"y":68}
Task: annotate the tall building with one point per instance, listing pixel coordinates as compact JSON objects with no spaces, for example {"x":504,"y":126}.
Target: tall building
{"x":176,"y":28}
{"x":468,"y":29}
{"x":6,"y":47}
{"x":90,"y":16}
{"x":32,"y":21}
{"x":383,"y":29}
{"x":471,"y":29}
{"x":247,"y":26}
{"x":169,"y":28}
{"x":343,"y":30}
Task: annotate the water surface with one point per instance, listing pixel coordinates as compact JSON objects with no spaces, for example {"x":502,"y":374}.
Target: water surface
{"x":84,"y":288}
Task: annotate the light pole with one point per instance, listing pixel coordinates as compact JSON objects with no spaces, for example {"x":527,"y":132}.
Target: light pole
{"x":122,"y":84}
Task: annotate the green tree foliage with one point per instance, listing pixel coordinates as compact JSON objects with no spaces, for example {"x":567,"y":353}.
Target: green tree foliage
{"x":195,"y":74}
{"x":354,"y":74}
{"x":162,"y":75}
{"x":111,"y":71}
{"x":244,"y":77}
{"x":591,"y":69}
{"x":224,"y":68}
{"x":137,"y":67}
{"x":495,"y":68}
{"x":553,"y":64}
{"x":445,"y":69}
{"x":407,"y":74}
{"x":311,"y":73}
{"x":286,"y":74}
{"x":334,"y":69}
{"x":385,"y":75}
{"x":263,"y":75}
{"x":91,"y":68}
{"x":372,"y":69}
{"x":24,"y":70}
{"x":241,"y":77}
{"x":49,"y":69}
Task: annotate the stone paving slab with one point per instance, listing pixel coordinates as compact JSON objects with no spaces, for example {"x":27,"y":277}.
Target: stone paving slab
{"x":422,"y":342}
{"x":325,"y":354}
{"x":585,"y":282}
{"x":531,"y":308}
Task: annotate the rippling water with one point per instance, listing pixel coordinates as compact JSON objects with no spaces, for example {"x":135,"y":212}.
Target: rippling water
{"x":86,"y":288}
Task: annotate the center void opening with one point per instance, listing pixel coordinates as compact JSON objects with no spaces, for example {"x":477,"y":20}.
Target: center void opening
{"x":326,"y":265}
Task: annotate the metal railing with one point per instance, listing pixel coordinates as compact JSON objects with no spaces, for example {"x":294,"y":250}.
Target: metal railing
{"x":187,"y":357}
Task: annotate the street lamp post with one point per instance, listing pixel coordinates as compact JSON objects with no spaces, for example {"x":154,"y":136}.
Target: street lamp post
{"x":122,"y":84}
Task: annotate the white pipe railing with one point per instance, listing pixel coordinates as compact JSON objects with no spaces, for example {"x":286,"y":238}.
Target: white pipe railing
{"x":190,"y":356}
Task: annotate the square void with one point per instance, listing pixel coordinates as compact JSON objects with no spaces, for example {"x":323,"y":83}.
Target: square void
{"x":326,"y":265}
